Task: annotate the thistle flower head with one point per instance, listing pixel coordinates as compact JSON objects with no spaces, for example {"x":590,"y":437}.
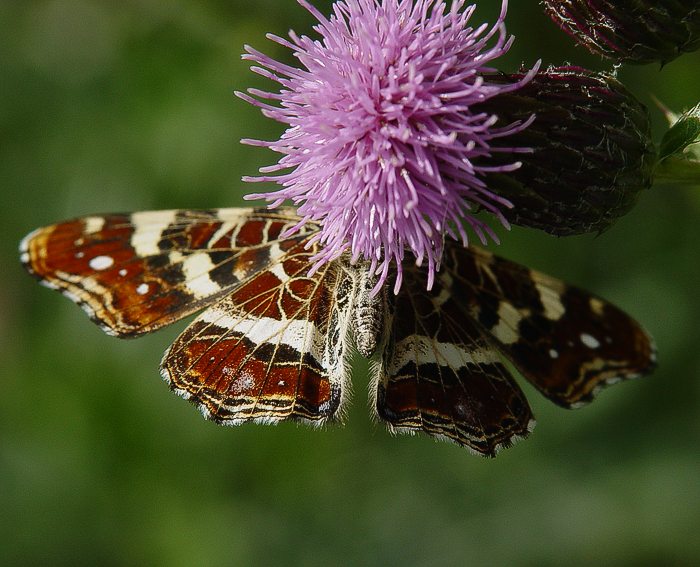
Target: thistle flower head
{"x":383,"y":148}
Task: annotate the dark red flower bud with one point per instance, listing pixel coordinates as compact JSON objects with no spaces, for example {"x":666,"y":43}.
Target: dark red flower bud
{"x":635,"y":31}
{"x":592,"y":151}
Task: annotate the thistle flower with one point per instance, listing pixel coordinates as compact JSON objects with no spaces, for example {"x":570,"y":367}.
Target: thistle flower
{"x":636,"y":31}
{"x":382,"y":147}
{"x":592,"y":150}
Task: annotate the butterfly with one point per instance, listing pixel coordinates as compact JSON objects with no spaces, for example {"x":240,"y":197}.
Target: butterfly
{"x":274,"y":341}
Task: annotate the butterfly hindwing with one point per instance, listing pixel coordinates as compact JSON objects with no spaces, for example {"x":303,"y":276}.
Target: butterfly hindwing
{"x":566,"y":342}
{"x":273,"y":349}
{"x":135,"y":273}
{"x":438,"y":374}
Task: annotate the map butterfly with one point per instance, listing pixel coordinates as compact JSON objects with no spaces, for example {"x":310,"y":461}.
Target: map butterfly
{"x":274,"y":342}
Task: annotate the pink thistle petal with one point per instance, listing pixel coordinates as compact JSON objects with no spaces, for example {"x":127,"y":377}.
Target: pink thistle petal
{"x":382,"y":147}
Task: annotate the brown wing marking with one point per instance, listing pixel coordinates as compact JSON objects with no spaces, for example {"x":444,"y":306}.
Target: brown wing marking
{"x":274,"y":349}
{"x":566,"y":342}
{"x":439,"y":375}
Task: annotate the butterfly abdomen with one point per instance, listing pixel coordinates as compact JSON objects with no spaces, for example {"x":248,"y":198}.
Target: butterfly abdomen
{"x":368,"y":320}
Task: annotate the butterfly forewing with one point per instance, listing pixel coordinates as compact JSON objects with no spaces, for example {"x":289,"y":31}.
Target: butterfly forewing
{"x":275,"y":348}
{"x":440,"y":375}
{"x":134,"y":273}
{"x":565,"y":341}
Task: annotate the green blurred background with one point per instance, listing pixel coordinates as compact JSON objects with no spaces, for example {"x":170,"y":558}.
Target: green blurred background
{"x":119,"y":106}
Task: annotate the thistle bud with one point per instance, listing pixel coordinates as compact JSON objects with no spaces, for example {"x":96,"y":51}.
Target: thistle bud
{"x":592,"y":151}
{"x":635,"y":31}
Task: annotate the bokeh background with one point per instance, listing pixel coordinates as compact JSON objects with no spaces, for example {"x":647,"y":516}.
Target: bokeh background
{"x":119,"y":106}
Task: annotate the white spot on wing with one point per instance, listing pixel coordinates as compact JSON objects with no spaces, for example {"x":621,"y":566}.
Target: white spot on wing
{"x":597,"y":306}
{"x":101,"y":262}
{"x":175,"y":257}
{"x":142,"y":289}
{"x":196,"y":268}
{"x":93,"y":224}
{"x":148,"y":228}
{"x":240,"y":383}
{"x":551,"y":301}
{"x":589,"y":340}
{"x":553,"y":353}
{"x":445,"y":294}
{"x":276,"y":266}
{"x":233,"y":214}
{"x":509,"y":319}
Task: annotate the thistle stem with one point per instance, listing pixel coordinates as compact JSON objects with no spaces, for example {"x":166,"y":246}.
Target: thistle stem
{"x":678,"y":171}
